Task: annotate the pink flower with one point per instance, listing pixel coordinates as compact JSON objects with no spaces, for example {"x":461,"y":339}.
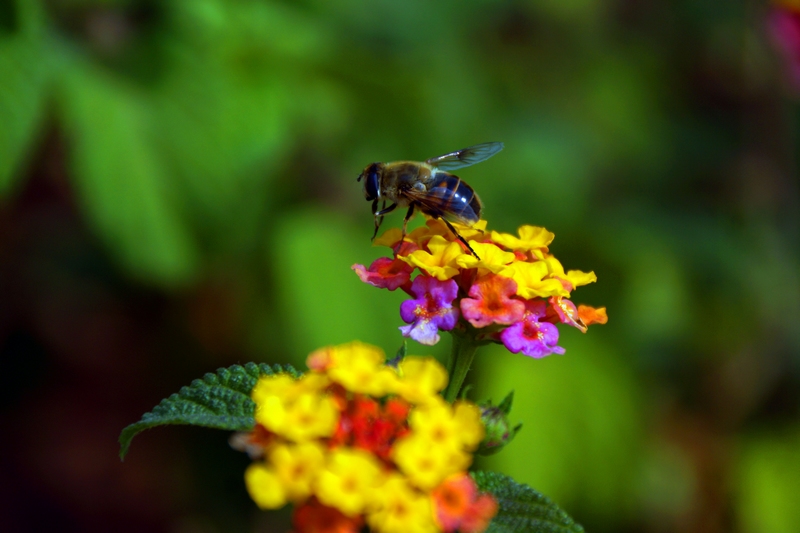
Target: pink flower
{"x":565,"y":312}
{"x":385,"y":273}
{"x":530,"y":336}
{"x":783,"y":25}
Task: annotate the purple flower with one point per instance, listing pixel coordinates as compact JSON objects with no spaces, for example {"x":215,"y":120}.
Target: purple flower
{"x":531,"y":337}
{"x":431,"y":311}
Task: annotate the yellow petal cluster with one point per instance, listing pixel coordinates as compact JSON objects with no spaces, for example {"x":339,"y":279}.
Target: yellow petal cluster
{"x":442,"y":260}
{"x":309,"y":457}
{"x":294,"y":409}
{"x":439,"y":444}
{"x":524,"y":257}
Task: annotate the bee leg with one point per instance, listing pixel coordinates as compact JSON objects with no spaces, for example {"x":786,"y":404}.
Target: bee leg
{"x":408,"y":217}
{"x":379,"y":215}
{"x":385,"y":210}
{"x":460,"y":238}
{"x":378,"y":219}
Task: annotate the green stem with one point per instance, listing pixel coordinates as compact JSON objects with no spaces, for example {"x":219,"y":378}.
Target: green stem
{"x":464,"y":348}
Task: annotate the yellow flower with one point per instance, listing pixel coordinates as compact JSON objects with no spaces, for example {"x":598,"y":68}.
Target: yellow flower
{"x":531,"y":239}
{"x":533,"y":280}
{"x":421,"y":379}
{"x":350,"y":480}
{"x":401,"y":509}
{"x":264,"y":486}
{"x":309,"y":417}
{"x":492,"y":258}
{"x":297,"y":467}
{"x":441,"y":261}
{"x":389,"y":238}
{"x":360,"y":368}
{"x":294,"y":409}
{"x":477,"y":230}
{"x":277,"y":385}
{"x":455,"y":426}
{"x":425,"y":463}
{"x":575,"y":277}
{"x":467,"y":417}
{"x":433,"y":227}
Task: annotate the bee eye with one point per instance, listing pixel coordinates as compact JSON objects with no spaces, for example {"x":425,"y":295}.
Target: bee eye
{"x":371,"y":183}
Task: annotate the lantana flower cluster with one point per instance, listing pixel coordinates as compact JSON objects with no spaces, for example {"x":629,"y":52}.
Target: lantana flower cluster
{"x":512,"y":290}
{"x":357,"y":442}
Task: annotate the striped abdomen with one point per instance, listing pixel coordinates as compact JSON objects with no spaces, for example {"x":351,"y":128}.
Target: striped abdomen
{"x":456,"y":199}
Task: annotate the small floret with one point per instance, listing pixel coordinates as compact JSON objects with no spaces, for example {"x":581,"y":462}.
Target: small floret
{"x":431,"y":311}
{"x":458,"y":506}
{"x":385,"y":273}
{"x":350,"y":480}
{"x":491,"y":302}
{"x":440,"y":262}
{"x":530,"y":336}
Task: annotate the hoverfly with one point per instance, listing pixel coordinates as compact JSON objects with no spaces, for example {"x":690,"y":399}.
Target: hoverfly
{"x":428,"y":187}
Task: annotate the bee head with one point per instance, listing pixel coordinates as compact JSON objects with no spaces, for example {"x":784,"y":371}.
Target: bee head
{"x":371,"y":176}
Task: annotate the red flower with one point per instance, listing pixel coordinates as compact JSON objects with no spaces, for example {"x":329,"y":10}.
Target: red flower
{"x":368,"y":425}
{"x":313,"y":517}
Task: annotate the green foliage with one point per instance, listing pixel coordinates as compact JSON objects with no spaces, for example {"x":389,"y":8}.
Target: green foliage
{"x":581,"y":414}
{"x":124,"y":187}
{"x":25,"y":71}
{"x":324,"y":301}
{"x":521,"y":509}
{"x":219,"y":401}
{"x":767,"y":483}
{"x":217,"y":139}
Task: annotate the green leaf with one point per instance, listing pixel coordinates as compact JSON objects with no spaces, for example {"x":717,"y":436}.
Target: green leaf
{"x":522,"y":509}
{"x":124,"y":187}
{"x":219,"y":401}
{"x":25,"y":68}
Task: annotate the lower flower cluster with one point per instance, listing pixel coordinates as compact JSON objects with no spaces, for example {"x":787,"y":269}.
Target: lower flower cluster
{"x":355,"y":442}
{"x":511,"y":291}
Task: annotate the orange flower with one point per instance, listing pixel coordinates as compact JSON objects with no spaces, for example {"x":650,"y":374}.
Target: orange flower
{"x":590,"y":315}
{"x":458,"y":506}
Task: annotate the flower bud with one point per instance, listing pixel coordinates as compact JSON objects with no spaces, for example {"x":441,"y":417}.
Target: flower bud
{"x":498,"y":430}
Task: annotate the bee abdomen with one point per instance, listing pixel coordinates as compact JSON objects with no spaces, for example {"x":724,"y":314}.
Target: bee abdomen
{"x":458,"y":198}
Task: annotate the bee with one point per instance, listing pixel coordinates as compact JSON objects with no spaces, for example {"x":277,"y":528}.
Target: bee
{"x":428,"y":187}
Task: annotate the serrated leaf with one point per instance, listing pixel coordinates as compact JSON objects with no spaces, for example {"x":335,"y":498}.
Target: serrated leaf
{"x":220,"y":401}
{"x":522,"y":509}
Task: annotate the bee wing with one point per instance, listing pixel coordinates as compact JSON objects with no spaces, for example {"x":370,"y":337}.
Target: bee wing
{"x":465,"y":157}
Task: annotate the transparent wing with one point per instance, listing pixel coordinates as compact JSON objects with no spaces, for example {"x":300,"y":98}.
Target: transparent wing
{"x":465,"y":157}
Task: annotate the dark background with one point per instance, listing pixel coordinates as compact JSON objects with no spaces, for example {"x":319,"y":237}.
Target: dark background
{"x":178,"y":194}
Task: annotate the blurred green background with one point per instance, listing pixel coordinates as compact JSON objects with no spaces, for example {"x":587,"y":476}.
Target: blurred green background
{"x":177,"y":193}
